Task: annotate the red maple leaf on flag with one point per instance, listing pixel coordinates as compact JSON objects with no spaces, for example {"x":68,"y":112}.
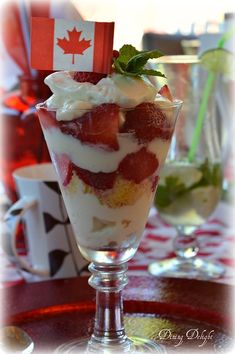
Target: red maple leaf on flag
{"x":73,"y":45}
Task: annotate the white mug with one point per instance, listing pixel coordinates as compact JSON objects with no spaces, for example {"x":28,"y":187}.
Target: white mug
{"x":52,"y":249}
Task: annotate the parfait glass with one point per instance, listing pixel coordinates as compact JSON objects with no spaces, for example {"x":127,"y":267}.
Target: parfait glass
{"x":108,"y":161}
{"x":191,"y":180}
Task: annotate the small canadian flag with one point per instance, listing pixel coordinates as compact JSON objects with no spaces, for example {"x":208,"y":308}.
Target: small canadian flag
{"x":58,"y":44}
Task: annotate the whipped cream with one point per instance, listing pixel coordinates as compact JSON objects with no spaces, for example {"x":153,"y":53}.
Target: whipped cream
{"x":71,"y":98}
{"x":99,"y":160}
{"x":90,"y":157}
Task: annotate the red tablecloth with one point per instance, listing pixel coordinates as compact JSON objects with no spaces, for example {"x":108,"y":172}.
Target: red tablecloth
{"x":216,"y":238}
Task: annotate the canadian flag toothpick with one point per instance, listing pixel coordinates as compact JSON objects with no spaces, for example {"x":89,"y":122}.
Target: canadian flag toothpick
{"x":58,"y":44}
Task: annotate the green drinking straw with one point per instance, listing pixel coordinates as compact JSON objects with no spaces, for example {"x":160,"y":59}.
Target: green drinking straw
{"x":205,"y":97}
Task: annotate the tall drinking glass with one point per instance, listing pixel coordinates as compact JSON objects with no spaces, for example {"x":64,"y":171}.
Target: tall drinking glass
{"x":108,"y":193}
{"x":191,"y":180}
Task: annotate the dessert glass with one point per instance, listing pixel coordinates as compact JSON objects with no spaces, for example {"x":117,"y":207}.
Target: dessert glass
{"x":108,"y":193}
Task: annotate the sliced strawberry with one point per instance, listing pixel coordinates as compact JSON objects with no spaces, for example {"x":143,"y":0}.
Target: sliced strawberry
{"x":138,"y":165}
{"x":154,"y":183}
{"x":116,"y":54}
{"x":93,"y":78}
{"x":47,"y":118}
{"x":147,"y":122}
{"x":64,"y":167}
{"x":165,"y":92}
{"x":99,"y":180}
{"x":98,"y":127}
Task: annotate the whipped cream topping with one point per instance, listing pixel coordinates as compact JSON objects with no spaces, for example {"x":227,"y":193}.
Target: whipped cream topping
{"x":70,"y":98}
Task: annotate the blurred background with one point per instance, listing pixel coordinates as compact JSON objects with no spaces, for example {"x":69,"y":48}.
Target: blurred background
{"x":134,"y":18}
{"x":147,"y":24}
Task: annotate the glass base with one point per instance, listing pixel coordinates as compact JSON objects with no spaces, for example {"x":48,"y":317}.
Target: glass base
{"x":135,"y":345}
{"x":195,"y":268}
{"x":109,"y":256}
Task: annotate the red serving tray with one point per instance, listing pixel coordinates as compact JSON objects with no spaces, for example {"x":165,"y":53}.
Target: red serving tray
{"x":53,"y":312}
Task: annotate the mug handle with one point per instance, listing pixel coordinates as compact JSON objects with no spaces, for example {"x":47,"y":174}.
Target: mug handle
{"x":12,"y":219}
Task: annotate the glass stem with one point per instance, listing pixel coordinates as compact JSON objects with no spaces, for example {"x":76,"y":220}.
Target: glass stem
{"x":185,"y":246}
{"x":109,"y":326}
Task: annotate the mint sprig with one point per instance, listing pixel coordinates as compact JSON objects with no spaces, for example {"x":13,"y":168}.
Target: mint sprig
{"x":211,"y":174}
{"x":131,"y":62}
{"x":169,"y":192}
{"x":173,"y":187}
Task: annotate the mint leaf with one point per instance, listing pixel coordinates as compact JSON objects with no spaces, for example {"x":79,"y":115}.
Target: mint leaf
{"x":152,"y":72}
{"x":118,"y":66}
{"x":126,"y":53}
{"x":131,"y":61}
{"x":217,"y":175}
{"x":211,"y":174}
{"x":138,"y":61}
{"x":162,"y":198}
{"x":169,"y":192}
{"x":174,"y":184}
{"x":173,"y":188}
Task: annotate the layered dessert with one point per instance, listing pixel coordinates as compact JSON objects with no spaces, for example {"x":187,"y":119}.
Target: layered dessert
{"x":108,"y":137}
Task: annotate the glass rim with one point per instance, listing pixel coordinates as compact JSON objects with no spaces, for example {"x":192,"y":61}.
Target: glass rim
{"x":41,"y":172}
{"x":178,"y":59}
{"x":177,"y":103}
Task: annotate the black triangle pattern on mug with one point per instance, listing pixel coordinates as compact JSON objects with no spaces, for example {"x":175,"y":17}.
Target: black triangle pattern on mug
{"x":56,"y":259}
{"x":54,"y":186}
{"x":50,"y":222}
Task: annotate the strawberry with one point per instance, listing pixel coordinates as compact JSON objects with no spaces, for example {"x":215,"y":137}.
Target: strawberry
{"x":64,"y":168}
{"x":93,"y":78}
{"x":154,"y":183}
{"x":98,"y":180}
{"x":97,"y":127}
{"x":147,"y":122}
{"x":138,"y":166}
{"x":115,"y":54}
{"x":47,"y":119}
{"x":165,"y":92}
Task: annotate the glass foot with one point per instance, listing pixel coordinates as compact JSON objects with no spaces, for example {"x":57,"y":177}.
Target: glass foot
{"x":135,"y":345}
{"x":195,"y":268}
